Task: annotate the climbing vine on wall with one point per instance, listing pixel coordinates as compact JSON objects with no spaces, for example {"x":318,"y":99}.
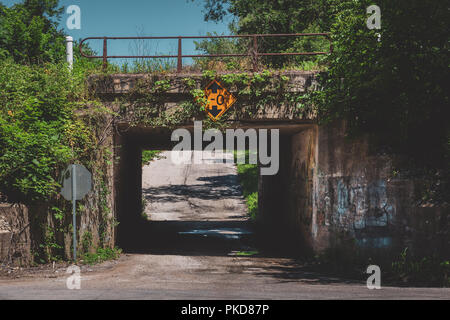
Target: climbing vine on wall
{"x":146,"y":103}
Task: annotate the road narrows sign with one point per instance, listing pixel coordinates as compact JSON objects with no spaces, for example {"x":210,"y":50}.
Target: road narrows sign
{"x":219,"y":100}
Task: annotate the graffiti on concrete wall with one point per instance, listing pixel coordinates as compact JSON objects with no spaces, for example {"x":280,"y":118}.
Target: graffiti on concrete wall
{"x":354,"y":204}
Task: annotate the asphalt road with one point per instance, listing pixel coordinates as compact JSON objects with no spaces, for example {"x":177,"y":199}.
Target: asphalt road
{"x":200,"y":236}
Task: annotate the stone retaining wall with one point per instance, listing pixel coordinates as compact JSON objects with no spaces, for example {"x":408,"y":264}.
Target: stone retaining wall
{"x":15,"y":238}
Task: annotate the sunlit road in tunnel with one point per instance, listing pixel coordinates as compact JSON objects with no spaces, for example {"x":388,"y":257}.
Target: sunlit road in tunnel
{"x":207,"y":191}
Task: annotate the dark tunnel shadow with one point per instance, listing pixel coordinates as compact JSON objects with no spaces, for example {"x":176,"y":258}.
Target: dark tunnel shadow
{"x":208,"y":238}
{"x":191,"y":237}
{"x":170,"y":238}
{"x":176,"y":237}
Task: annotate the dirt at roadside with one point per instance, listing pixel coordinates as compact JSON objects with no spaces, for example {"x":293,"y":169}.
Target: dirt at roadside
{"x":54,"y":270}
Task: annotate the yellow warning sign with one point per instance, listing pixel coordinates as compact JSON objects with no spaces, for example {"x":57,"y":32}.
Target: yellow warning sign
{"x":219,"y":100}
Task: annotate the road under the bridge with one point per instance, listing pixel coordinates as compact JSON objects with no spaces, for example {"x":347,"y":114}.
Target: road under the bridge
{"x":198,"y":233}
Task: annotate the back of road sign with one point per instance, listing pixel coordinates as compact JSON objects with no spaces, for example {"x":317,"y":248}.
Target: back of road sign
{"x":83,"y":182}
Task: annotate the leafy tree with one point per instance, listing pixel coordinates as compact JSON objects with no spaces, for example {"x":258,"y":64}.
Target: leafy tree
{"x":279,"y":16}
{"x":271,"y":17}
{"x":392,"y":83}
{"x":39,"y":133}
{"x":29,"y":32}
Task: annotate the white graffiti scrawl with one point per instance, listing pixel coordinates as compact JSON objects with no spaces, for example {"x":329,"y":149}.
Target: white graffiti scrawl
{"x":366,"y":205}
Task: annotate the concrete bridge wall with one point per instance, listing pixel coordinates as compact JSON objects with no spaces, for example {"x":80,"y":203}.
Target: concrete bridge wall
{"x":334,"y":192}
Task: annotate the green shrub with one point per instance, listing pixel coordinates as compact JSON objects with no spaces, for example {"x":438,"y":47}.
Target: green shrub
{"x":38,"y":132}
{"x":102,"y":254}
{"x":420,"y":270}
{"x":149,"y":155}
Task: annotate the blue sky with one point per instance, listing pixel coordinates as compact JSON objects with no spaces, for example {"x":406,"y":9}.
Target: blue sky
{"x":140,"y":17}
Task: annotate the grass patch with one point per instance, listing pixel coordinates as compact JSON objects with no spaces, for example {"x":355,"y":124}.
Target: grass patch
{"x":424,"y":270}
{"x":102,"y":254}
{"x":246,"y":253}
{"x":149,"y":155}
{"x":248,"y":178}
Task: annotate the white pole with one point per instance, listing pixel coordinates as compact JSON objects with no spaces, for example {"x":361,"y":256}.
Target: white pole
{"x":69,"y":51}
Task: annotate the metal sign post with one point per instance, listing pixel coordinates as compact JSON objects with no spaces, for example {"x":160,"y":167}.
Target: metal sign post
{"x":77,"y":183}
{"x":74,"y":210}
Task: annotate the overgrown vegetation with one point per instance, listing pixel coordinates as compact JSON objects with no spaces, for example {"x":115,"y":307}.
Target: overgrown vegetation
{"x":38,"y":133}
{"x":398,"y":267}
{"x":29,"y":32}
{"x":48,"y":120}
{"x":148,"y":66}
{"x":146,"y":102}
{"x":424,"y":271}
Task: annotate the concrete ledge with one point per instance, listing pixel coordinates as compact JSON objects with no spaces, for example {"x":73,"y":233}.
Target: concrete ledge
{"x":299,"y":81}
{"x":110,"y":88}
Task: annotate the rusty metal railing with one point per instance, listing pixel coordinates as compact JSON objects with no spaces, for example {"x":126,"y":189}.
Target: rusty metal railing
{"x":253,"y":52}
